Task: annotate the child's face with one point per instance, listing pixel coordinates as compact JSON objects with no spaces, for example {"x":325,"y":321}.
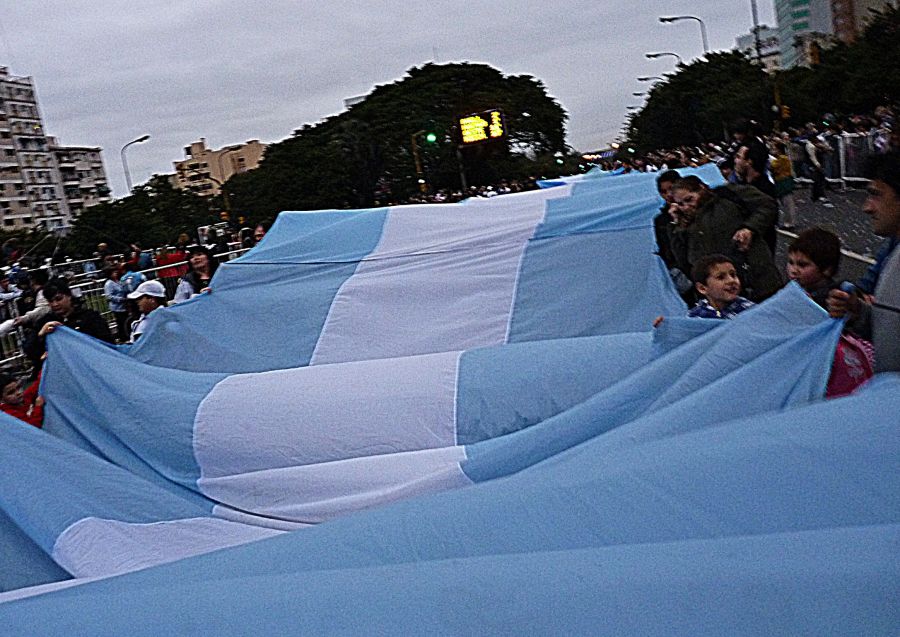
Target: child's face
{"x":802,"y":270}
{"x":12,"y":393}
{"x":722,"y":285}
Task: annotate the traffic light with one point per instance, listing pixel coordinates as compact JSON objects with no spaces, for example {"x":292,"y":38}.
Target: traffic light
{"x":785,"y":112}
{"x":430,"y":138}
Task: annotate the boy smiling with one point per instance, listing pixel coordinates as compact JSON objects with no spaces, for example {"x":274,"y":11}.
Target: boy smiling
{"x":716,"y":279}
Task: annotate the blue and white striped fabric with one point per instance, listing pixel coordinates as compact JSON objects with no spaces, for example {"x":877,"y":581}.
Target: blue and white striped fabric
{"x":384,"y":422}
{"x":236,"y":457}
{"x":334,"y":286}
{"x":703,"y":510}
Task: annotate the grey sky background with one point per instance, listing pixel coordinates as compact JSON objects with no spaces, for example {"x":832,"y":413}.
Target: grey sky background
{"x":108,"y":71}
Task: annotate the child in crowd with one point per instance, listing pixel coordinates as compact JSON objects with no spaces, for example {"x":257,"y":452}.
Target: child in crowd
{"x":813,"y":260}
{"x":24,"y":405}
{"x":716,"y":279}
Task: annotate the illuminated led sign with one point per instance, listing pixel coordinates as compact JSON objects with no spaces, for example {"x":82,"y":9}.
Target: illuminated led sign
{"x":482,"y":127}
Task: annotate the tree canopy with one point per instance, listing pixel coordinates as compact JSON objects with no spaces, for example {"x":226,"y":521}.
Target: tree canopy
{"x":154,"y":214}
{"x":700,"y":99}
{"x":364,"y":155}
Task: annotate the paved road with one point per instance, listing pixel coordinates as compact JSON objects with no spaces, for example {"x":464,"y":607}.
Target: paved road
{"x":846,"y":220}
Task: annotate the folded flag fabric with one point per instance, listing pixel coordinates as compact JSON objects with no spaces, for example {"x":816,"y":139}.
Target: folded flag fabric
{"x":336,"y":286}
{"x":782,"y":522}
{"x":280,"y":450}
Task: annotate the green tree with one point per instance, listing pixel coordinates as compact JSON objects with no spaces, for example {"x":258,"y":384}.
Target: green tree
{"x":154,"y":214}
{"x":700,"y":101}
{"x":364,"y":156}
{"x":703,"y":98}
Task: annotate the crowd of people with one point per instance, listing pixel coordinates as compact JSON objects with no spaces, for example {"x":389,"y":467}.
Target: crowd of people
{"x":444,"y":195}
{"x":716,"y":245}
{"x":811,"y":148}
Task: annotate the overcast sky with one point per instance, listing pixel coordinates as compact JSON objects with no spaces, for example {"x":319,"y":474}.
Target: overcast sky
{"x":108,"y":71}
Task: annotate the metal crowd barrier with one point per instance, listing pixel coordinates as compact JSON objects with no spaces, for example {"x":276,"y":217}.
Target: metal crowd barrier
{"x":845,"y":165}
{"x":90,"y":291}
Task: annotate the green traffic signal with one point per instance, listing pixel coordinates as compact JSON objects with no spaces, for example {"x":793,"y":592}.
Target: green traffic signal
{"x":430,"y":138}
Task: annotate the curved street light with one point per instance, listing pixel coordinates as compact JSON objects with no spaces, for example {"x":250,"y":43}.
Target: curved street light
{"x":139,"y":140}
{"x":664,"y":53}
{"x":650,"y":78}
{"x":678,"y":18}
{"x":638,"y":94}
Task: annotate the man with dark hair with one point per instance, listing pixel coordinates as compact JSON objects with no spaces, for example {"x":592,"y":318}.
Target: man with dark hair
{"x":880,"y":318}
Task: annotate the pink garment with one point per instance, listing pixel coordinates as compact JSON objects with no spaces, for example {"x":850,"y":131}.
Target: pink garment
{"x":853,"y":364}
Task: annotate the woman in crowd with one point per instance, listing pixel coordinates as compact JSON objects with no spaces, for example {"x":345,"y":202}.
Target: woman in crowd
{"x":202,"y":267}
{"x":705,"y":223}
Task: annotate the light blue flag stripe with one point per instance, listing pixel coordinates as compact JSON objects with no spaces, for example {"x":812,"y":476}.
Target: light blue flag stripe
{"x":268,"y":307}
{"x":511,"y":387}
{"x":701,"y":381}
{"x":804,"y":500}
{"x":309,"y":287}
{"x":22,"y":562}
{"x":139,"y":417}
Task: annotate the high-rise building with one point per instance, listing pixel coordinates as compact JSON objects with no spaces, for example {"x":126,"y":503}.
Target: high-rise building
{"x":31,"y":182}
{"x":804,"y":26}
{"x":851,"y":16}
{"x":205,"y":170}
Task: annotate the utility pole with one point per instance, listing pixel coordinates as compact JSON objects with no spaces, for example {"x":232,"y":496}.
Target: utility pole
{"x":756,"y":39}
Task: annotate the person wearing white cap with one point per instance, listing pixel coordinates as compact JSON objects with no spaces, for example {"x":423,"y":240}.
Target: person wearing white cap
{"x":149,"y":295}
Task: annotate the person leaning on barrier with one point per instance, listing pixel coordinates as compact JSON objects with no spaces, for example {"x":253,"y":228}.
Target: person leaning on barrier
{"x":115,"y":293}
{"x":149,"y":296}
{"x":878,"y":317}
{"x":8,"y":293}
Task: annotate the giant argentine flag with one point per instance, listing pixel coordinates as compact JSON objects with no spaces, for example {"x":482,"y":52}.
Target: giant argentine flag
{"x":211,"y":460}
{"x":335,"y":286}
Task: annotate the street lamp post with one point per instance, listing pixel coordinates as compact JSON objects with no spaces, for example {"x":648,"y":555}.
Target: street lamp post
{"x":650,"y":78}
{"x":139,"y":140}
{"x":678,"y":18}
{"x":663,"y":53}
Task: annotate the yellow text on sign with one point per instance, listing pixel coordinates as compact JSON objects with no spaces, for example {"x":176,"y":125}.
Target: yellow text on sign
{"x":474,"y":129}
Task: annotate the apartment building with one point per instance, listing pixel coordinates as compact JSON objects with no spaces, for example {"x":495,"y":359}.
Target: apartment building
{"x":769,"y":49}
{"x":33,"y":165}
{"x":205,"y":170}
{"x":81,"y":173}
{"x":30,"y":190}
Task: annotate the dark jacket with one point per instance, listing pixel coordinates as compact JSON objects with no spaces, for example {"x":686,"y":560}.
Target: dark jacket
{"x":81,"y":319}
{"x":711,"y":233}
